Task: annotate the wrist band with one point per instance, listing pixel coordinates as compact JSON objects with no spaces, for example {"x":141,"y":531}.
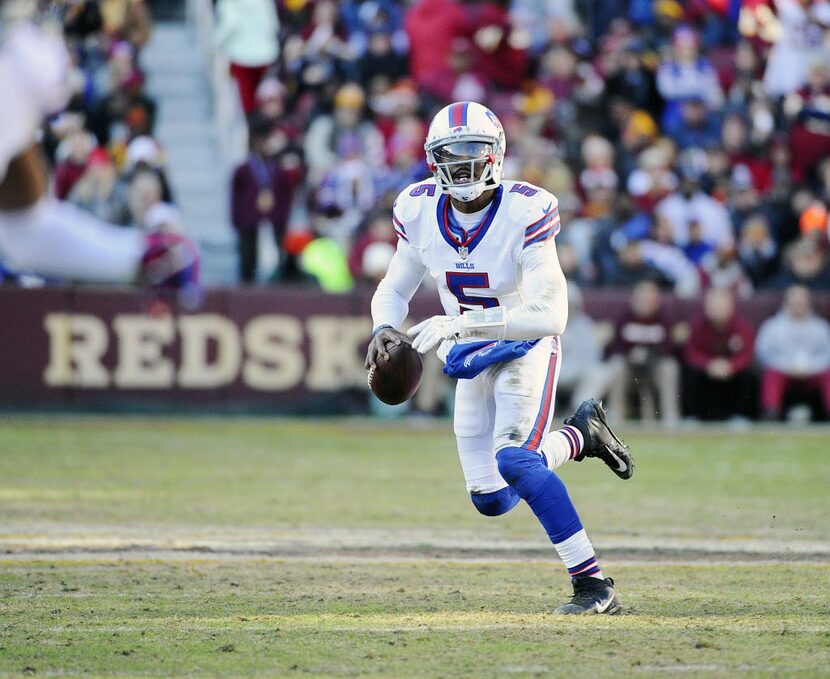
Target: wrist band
{"x":381,"y":327}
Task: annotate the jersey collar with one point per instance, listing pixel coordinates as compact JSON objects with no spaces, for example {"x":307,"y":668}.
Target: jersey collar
{"x":455,"y":236}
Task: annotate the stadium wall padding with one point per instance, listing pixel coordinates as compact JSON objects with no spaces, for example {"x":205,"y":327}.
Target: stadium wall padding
{"x":270,"y":350}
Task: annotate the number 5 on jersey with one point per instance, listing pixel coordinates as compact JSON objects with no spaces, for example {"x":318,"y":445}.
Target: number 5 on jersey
{"x":459,"y":282}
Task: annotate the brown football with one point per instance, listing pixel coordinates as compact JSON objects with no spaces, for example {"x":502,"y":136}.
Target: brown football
{"x":394,"y":381}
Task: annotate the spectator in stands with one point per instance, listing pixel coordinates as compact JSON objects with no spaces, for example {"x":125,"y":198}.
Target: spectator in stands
{"x":325,"y":260}
{"x":691,"y":205}
{"x":145,"y":199}
{"x":805,"y":263}
{"x":145,"y":153}
{"x":98,"y":190}
{"x":126,"y":111}
{"x":813,"y":223}
{"x":261,"y":193}
{"x":319,"y":55}
{"x":128,"y":20}
{"x":432,"y":27}
{"x":381,"y":60}
{"x":718,"y":357}
{"x":247,"y":31}
{"x":687,"y":74}
{"x":346,"y":192}
{"x":373,"y":247}
{"x":810,"y":110}
{"x":696,"y":127}
{"x":630,"y":80}
{"x":598,"y":180}
{"x":643,"y":359}
{"x":584,"y":374}
{"x":757,"y":249}
{"x":499,"y":53}
{"x":72,"y":156}
{"x":793,"y":349}
{"x":652,"y":253}
{"x":325,"y":132}
{"x":786,"y":67}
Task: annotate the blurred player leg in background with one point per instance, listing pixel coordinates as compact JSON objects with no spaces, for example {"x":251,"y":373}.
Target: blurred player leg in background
{"x":45,"y":237}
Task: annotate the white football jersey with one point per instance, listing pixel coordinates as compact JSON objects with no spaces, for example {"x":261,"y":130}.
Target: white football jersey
{"x":479,"y":267}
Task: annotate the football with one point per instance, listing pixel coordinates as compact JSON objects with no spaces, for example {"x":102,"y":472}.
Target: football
{"x":394,"y":381}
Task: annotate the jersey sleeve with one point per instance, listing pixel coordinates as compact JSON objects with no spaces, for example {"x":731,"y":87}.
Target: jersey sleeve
{"x":413,"y":208}
{"x":390,"y":303}
{"x":541,"y":219}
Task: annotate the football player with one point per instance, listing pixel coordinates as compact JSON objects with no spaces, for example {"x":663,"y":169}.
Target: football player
{"x":489,"y":245}
{"x":47,"y":237}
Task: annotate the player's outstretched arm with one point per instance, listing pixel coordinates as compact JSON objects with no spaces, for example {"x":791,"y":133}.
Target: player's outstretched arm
{"x":390,"y":303}
{"x":25,"y":180}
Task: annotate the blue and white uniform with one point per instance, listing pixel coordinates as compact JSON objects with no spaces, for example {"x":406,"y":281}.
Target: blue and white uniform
{"x":501,"y":265}
{"x":505,"y":300}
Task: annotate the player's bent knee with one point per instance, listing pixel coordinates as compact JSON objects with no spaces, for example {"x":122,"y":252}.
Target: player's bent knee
{"x":523,"y":469}
{"x":514,"y":462}
{"x":496,"y":504}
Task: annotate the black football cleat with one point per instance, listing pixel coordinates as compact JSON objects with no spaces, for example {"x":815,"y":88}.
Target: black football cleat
{"x":600,"y":441}
{"x":591,"y":597}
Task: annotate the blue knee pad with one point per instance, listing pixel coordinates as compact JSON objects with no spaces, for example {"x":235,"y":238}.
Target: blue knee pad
{"x":496,"y":504}
{"x":525,"y":472}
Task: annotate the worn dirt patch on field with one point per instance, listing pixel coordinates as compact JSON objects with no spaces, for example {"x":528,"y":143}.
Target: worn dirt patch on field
{"x":55,"y":540}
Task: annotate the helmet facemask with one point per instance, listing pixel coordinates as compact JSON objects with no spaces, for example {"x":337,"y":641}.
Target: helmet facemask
{"x":464,"y":169}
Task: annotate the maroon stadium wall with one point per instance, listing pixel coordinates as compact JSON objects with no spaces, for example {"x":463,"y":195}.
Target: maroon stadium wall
{"x":267,"y":350}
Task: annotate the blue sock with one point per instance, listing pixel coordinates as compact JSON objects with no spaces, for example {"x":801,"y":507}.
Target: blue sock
{"x":525,"y":472}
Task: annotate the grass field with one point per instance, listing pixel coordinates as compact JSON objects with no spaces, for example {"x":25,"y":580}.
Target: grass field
{"x":161,"y":547}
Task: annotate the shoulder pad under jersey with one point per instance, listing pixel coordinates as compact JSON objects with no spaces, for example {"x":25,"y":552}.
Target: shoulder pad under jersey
{"x":413,"y":207}
{"x":532,"y":209}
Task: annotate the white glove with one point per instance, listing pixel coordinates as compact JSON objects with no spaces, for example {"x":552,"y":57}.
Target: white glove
{"x":481,"y":323}
{"x":430,"y":333}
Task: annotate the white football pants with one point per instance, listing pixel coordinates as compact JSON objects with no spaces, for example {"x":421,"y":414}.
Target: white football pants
{"x":507,"y":405}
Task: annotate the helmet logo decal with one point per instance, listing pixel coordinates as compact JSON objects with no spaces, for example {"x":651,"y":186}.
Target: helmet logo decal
{"x":458,"y":114}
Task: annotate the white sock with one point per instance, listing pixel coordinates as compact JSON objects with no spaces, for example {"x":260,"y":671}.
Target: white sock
{"x":562,"y":445}
{"x":577,"y":553}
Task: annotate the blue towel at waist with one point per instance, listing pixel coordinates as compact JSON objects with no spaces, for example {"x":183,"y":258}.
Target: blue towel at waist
{"x":468,"y":359}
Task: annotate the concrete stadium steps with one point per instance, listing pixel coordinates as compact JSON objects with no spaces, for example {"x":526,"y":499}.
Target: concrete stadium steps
{"x":177,"y":78}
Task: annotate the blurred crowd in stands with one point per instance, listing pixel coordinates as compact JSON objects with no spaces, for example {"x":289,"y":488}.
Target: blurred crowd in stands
{"x":653,"y":361}
{"x":688,"y":142}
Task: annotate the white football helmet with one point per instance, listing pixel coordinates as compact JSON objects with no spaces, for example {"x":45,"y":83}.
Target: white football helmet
{"x":465,"y":150}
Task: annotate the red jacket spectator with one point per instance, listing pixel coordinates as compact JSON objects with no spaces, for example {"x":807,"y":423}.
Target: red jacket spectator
{"x":641,"y":337}
{"x":497,"y":60}
{"x":431,"y":26}
{"x":708,"y":341}
{"x":67,"y":175}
